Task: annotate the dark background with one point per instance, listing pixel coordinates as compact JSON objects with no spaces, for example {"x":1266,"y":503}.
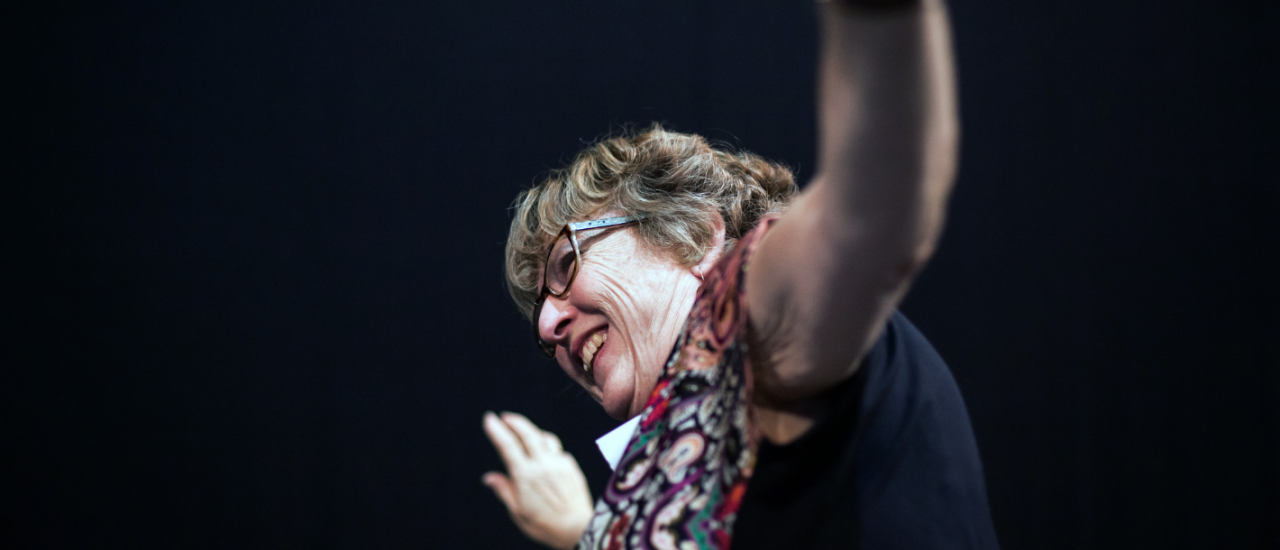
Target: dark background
{"x":254,"y":253}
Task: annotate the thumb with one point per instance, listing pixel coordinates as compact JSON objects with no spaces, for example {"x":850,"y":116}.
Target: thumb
{"x":502,"y":487}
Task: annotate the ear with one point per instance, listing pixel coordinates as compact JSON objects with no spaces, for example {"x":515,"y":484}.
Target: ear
{"x":714,"y":250}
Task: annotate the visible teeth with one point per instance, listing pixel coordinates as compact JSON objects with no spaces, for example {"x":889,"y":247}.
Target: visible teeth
{"x":591,"y":347}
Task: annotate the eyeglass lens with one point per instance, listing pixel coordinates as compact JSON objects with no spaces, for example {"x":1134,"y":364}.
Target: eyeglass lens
{"x":561,"y":262}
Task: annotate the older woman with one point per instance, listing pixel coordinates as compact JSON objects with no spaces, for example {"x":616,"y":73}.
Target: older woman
{"x":782,"y":401}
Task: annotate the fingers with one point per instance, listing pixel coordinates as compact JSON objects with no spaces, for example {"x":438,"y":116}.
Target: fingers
{"x":506,"y":441}
{"x":502,"y":487}
{"x":536,"y":441}
{"x":518,"y":440}
{"x":553,"y":442}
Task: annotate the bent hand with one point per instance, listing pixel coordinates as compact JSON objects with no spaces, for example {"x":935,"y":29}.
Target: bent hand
{"x":544,"y":489}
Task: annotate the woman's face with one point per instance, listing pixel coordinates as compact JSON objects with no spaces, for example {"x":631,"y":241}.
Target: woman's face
{"x":619,"y":319}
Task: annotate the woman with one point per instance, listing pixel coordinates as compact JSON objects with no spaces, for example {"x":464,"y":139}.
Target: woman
{"x":782,"y":402}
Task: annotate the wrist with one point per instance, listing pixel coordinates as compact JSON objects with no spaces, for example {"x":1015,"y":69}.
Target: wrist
{"x":872,"y":6}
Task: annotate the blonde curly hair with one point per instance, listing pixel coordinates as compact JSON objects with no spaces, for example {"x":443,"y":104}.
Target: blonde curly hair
{"x":676,"y":180}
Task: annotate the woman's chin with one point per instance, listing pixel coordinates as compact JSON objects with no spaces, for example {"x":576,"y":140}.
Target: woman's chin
{"x":621,"y":412}
{"x":616,"y":383}
{"x":616,"y":399}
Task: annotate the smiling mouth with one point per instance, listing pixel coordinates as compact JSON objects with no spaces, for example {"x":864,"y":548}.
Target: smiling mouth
{"x":591,"y":347}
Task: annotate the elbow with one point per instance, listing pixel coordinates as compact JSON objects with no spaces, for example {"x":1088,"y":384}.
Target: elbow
{"x":939,"y":156}
{"x":914,"y":252}
{"x":918,"y":257}
{"x":899,"y":272}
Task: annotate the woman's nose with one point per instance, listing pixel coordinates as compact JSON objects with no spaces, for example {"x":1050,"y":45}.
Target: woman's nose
{"x":554,"y":321}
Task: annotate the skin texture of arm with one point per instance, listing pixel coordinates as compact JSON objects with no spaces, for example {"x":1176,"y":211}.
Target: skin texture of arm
{"x":830,"y":272}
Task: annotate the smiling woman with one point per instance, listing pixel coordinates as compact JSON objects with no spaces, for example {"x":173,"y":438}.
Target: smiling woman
{"x":789,"y":408}
{"x":633,"y":277}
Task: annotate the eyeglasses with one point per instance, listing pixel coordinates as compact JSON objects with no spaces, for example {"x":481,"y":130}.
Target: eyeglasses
{"x":561,"y":266}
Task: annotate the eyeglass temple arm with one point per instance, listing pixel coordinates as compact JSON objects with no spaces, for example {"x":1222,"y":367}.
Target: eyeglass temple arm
{"x":606,"y":222}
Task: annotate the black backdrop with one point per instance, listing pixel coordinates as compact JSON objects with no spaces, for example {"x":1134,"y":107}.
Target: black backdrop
{"x":254,"y":254}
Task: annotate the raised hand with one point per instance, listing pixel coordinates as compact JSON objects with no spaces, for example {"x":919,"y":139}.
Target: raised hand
{"x":544,"y":489}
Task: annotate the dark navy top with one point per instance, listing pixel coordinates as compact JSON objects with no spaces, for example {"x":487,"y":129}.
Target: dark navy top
{"x":891,"y":464}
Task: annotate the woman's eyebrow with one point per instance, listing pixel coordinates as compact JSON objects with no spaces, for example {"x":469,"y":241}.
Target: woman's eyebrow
{"x":583,"y":244}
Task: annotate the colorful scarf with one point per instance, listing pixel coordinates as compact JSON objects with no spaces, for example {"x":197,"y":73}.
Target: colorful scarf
{"x":685,"y":471}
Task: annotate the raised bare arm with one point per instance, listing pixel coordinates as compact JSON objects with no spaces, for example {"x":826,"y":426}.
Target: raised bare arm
{"x":831,"y":271}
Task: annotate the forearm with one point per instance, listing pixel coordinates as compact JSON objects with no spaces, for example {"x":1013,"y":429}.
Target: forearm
{"x":888,"y":127}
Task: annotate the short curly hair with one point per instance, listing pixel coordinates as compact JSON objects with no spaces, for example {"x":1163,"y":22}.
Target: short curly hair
{"x":676,"y":180}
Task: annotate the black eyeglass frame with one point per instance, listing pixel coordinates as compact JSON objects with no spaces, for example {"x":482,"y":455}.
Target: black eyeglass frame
{"x":572,"y":229}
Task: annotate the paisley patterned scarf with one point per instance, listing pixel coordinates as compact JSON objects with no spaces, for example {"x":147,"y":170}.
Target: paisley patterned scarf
{"x":685,"y":471}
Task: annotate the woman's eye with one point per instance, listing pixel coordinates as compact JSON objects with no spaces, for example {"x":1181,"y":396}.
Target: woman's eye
{"x":565,"y":261}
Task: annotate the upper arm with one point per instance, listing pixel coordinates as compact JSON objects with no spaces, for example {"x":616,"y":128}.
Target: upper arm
{"x":829,"y":273}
